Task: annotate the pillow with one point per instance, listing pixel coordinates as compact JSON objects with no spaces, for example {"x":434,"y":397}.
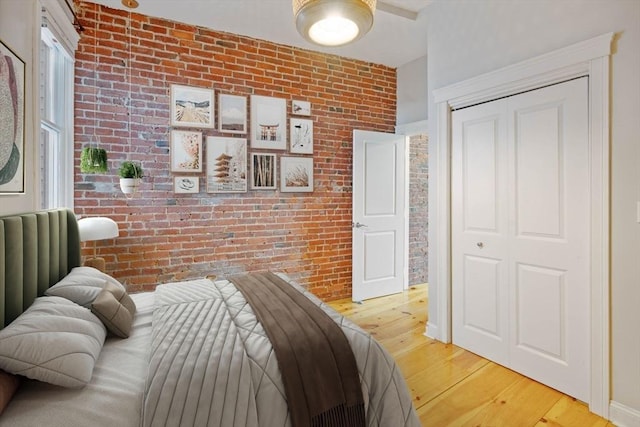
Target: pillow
{"x":54,"y":341}
{"x":115,"y":308}
{"x":82,"y":285}
{"x":8,"y":385}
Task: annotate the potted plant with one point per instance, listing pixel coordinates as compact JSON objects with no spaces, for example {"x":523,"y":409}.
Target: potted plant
{"x":93,"y":160}
{"x":130,"y":175}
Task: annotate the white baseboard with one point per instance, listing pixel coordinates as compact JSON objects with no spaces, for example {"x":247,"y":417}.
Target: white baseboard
{"x":432,"y":332}
{"x":623,"y":416}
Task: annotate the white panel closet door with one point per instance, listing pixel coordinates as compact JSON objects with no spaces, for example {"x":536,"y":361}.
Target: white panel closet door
{"x":549,"y":244}
{"x":480,"y":230}
{"x":539,"y":279}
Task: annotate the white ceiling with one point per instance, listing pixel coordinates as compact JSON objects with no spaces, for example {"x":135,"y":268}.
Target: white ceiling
{"x":394,"y":39}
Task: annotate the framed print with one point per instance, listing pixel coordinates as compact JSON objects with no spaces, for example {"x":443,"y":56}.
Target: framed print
{"x":186,"y":184}
{"x":301,"y":137}
{"x":268,"y":123}
{"x":186,"y":151}
{"x":232,"y":113}
{"x":12,"y":70}
{"x":300,"y":108}
{"x":296,"y":174}
{"x":263,"y":171}
{"x":191,"y":106}
{"x":226,"y":165}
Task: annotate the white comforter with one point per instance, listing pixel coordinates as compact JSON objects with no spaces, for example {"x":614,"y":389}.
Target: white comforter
{"x":212,"y":364}
{"x":115,"y":395}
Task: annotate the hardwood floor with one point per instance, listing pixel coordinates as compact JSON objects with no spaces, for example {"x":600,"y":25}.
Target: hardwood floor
{"x":453,"y":387}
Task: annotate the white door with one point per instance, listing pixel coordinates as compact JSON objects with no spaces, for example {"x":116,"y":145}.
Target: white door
{"x":520,"y":233}
{"x":480,"y":231}
{"x":379,"y":214}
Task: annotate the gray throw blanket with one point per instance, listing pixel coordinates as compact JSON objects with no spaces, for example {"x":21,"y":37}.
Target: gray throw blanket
{"x":319,"y":370}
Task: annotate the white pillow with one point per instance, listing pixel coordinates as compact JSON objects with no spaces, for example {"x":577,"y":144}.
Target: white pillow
{"x":82,"y":285}
{"x":55,"y":341}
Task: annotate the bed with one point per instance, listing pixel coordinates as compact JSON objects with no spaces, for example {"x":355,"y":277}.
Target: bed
{"x":192,"y":353}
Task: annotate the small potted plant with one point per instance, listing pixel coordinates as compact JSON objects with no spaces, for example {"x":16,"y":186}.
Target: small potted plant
{"x":130,"y":175}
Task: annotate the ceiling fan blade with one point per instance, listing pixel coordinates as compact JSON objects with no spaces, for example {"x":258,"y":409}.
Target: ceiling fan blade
{"x":396,"y":10}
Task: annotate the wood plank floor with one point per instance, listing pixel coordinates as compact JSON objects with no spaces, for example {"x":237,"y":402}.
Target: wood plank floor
{"x":453,"y":387}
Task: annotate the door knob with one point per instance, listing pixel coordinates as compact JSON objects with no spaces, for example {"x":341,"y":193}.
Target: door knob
{"x":358,"y":225}
{"x":480,"y":245}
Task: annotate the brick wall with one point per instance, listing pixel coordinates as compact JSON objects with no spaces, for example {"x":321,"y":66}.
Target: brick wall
{"x":165,"y":236}
{"x":418,"y":211}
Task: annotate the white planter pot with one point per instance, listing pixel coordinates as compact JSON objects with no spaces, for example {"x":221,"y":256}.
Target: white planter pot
{"x":129,"y":185}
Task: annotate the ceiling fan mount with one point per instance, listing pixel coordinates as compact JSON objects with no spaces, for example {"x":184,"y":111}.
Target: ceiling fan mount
{"x":397,"y":10}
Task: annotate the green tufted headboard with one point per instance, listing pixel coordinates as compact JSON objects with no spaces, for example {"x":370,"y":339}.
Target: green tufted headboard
{"x":36,"y":250}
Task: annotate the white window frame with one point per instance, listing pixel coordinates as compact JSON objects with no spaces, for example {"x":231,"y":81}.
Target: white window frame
{"x":58,"y":33}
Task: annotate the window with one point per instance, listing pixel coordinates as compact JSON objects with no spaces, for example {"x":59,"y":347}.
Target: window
{"x":56,"y":120}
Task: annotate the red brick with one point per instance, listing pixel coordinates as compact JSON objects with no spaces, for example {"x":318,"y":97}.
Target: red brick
{"x":168,"y":237}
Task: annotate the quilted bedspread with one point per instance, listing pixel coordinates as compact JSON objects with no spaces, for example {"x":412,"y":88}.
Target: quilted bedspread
{"x":211,"y":364}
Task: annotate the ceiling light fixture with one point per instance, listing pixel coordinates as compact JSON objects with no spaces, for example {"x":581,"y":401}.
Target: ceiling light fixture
{"x":131,"y":4}
{"x":333,"y":22}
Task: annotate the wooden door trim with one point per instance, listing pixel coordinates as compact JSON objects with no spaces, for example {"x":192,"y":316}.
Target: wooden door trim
{"x":589,"y":58}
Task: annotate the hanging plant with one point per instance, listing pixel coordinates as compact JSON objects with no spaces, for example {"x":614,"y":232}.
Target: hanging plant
{"x":93,"y":160}
{"x":130,"y":169}
{"x":130,"y":175}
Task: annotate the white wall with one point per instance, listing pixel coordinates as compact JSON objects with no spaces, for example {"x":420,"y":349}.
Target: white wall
{"x":467,"y":38}
{"x":19,"y":28}
{"x":412,"y":92}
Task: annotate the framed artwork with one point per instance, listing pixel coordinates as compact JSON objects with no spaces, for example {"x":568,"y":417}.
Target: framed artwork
{"x":186,"y":184}
{"x":226,"y":165}
{"x":301,"y":138}
{"x":12,"y":70}
{"x":186,"y":151}
{"x":263,"y":171}
{"x":268,"y":123}
{"x":191,"y":106}
{"x":232,"y":113}
{"x":296,"y":174}
{"x":300,"y":108}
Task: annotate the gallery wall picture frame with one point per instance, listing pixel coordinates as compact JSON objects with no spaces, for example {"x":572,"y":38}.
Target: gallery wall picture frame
{"x":186,"y":184}
{"x":296,"y":174}
{"x":226,"y":165}
{"x":300,"y":108}
{"x":263,"y":171}
{"x":192,"y":106}
{"x":12,"y":121}
{"x":268,"y":123}
{"x":186,"y":151}
{"x":232,"y":113}
{"x":301,"y":138}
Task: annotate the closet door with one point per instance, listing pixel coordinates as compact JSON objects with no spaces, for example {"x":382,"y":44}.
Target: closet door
{"x":549,"y":243}
{"x":480,"y":232}
{"x":543,"y":251}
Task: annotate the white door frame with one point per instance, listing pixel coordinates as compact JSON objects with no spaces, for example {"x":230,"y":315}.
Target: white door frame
{"x":589,"y":58}
{"x":408,"y":130}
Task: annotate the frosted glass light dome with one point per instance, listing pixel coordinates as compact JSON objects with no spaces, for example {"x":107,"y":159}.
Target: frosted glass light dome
{"x":333,"y":22}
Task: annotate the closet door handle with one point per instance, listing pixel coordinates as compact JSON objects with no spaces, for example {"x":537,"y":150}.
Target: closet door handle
{"x":480,"y":245}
